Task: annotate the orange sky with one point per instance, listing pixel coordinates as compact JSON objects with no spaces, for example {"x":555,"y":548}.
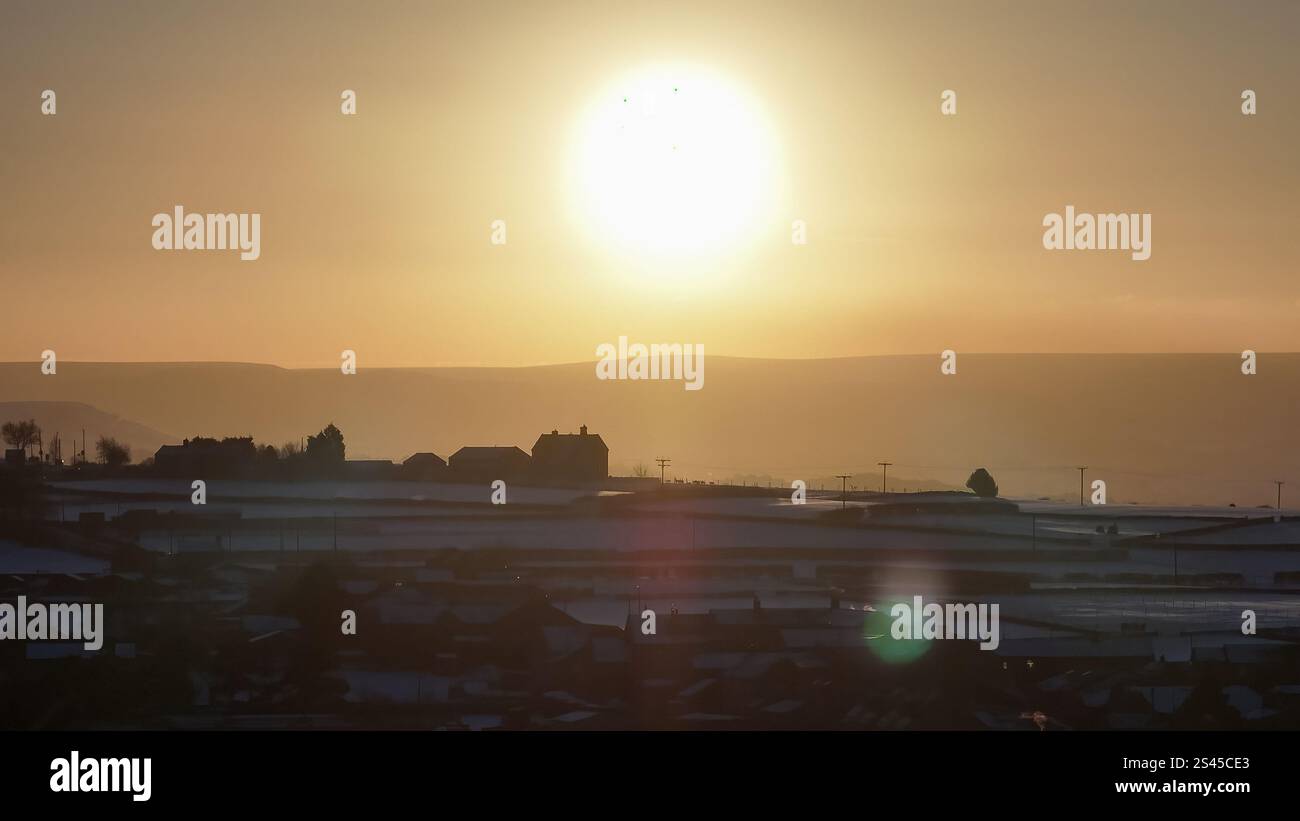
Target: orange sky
{"x":924,"y":230}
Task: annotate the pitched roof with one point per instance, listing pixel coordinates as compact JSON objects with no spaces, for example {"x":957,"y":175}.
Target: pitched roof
{"x":424,"y":457}
{"x":480,"y":452}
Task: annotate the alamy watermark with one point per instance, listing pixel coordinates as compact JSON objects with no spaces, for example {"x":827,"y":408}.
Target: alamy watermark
{"x":53,"y":622}
{"x":77,"y":774}
{"x":931,"y":621}
{"x":638,"y":361}
{"x":208,"y":232}
{"x":1098,"y":232}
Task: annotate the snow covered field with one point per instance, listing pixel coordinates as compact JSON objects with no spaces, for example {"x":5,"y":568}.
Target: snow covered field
{"x":624,"y":533}
{"x":223,"y":489}
{"x":20,"y":559}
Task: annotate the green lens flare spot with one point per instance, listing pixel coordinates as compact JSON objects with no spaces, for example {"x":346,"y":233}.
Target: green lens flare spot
{"x":879,"y":636}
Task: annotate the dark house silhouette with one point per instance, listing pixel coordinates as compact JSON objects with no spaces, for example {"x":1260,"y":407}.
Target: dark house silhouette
{"x":489,"y":463}
{"x":423,"y":466}
{"x":201,"y":456}
{"x":578,"y":456}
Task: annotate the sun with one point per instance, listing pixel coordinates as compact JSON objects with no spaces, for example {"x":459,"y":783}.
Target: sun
{"x":673,"y":162}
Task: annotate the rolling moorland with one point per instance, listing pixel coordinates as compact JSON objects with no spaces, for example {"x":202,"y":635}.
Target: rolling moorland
{"x":1173,"y":429}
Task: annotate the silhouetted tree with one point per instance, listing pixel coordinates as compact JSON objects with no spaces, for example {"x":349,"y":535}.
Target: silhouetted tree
{"x":21,"y":434}
{"x":316,"y":599}
{"x":1206,"y":708}
{"x":112,"y":452}
{"x":326,"y":447}
{"x":981,"y":482}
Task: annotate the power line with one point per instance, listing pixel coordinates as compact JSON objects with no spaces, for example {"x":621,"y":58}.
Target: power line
{"x":663,"y":463}
{"x":844,"y":492}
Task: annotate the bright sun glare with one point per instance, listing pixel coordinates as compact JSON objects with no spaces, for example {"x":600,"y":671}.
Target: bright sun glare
{"x":673,"y":162}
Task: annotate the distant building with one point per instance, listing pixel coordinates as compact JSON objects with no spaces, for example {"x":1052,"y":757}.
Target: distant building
{"x":171,"y":460}
{"x":581,"y":457}
{"x":423,"y":467}
{"x":489,"y":463}
{"x":202,"y":456}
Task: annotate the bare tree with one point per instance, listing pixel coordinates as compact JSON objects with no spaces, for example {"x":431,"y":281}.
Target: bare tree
{"x":112,"y":452}
{"x":22,"y":435}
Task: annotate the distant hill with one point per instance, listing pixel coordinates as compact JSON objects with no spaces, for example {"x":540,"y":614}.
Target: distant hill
{"x":1159,"y":428}
{"x":70,"y":418}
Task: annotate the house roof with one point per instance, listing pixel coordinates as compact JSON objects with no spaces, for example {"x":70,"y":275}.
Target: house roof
{"x":421,"y":458}
{"x":476,"y":453}
{"x":563,"y":447}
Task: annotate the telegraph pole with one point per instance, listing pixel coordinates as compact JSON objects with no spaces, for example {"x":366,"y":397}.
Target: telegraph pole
{"x":1279,"y":494}
{"x":844,"y":478}
{"x":884,"y":477}
{"x":1081,"y":469}
{"x":663,"y":463}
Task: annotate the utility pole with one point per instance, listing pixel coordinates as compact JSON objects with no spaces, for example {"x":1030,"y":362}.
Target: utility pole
{"x":844,"y":478}
{"x":1279,"y":494}
{"x":663,"y":463}
{"x":884,"y":477}
{"x":1081,"y":469}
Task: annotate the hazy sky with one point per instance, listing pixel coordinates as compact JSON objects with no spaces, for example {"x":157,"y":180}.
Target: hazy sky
{"x":924,"y":231}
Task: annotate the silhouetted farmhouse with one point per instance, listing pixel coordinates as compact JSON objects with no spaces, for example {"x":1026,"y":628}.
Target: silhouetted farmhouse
{"x":202,"y":456}
{"x":423,"y":467}
{"x":489,"y":463}
{"x":578,"y":456}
